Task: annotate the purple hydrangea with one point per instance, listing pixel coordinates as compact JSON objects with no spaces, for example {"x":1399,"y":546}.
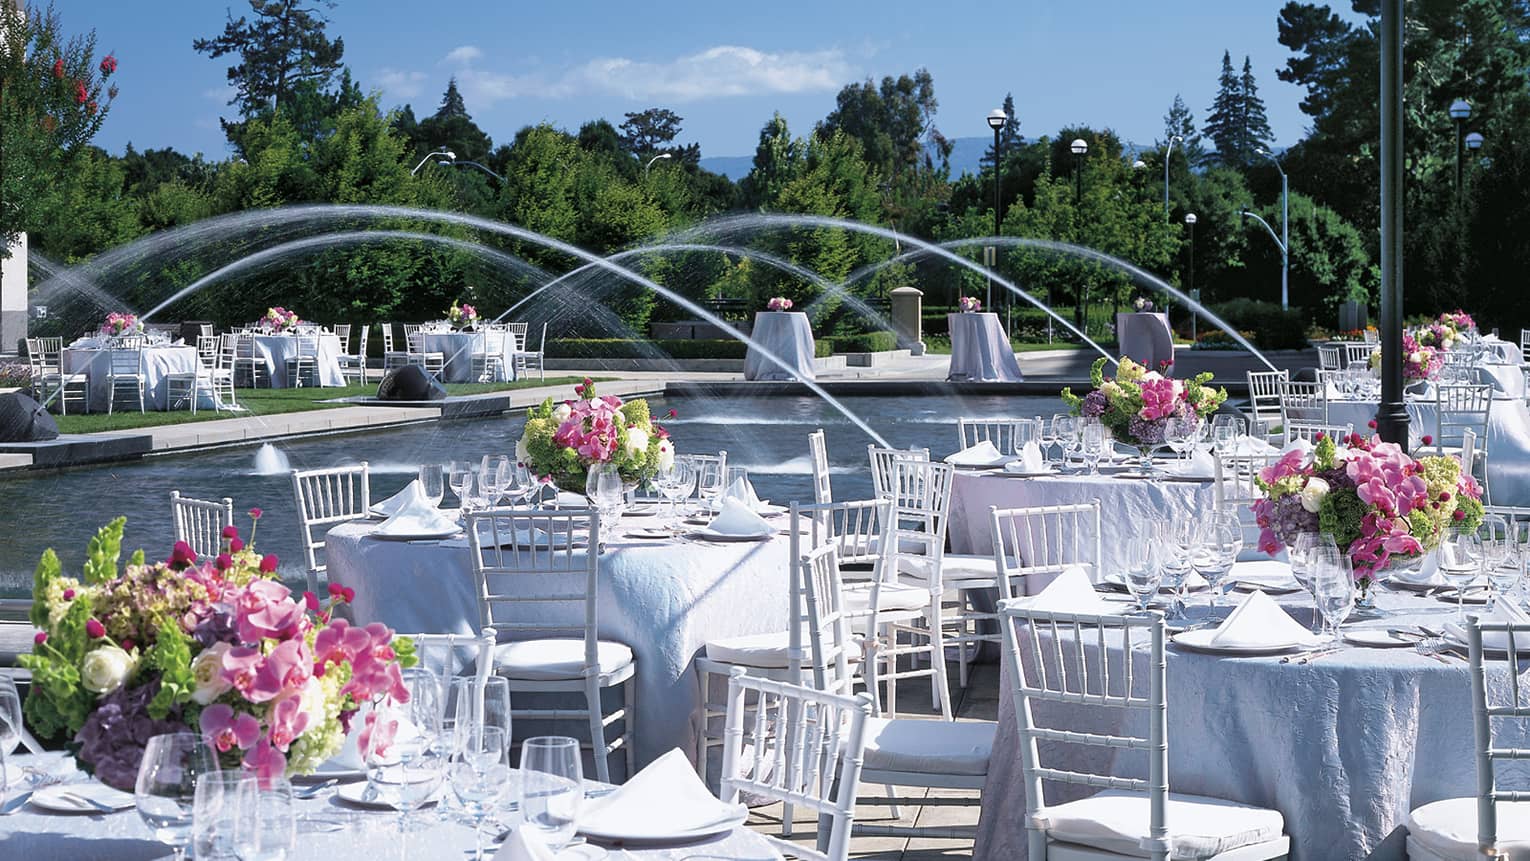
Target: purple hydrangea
{"x":216,"y":627}
{"x":112,"y":741}
{"x":1145,"y":431}
{"x":1289,"y":519}
{"x":1094,"y":404}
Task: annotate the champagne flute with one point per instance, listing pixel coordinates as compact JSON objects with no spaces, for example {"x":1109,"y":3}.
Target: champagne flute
{"x":552,"y":787}
{"x":1334,"y":588}
{"x":433,"y":482}
{"x":1048,"y":435}
{"x":165,"y":791}
{"x":266,"y":824}
{"x":1092,"y":441}
{"x":494,"y":477}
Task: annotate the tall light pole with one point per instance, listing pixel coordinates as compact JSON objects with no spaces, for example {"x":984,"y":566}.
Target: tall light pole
{"x":1167,"y":152}
{"x":996,"y":120}
{"x":1474,"y":143}
{"x":1285,"y":257}
{"x":1392,"y":412}
{"x":445,"y":155}
{"x":650,"y":164}
{"x":1460,"y":111}
{"x":1190,"y":281}
{"x":1285,"y":228}
{"x":1079,"y":147}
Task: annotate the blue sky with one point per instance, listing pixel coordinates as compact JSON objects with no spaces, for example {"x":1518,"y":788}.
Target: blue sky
{"x":723,"y":66}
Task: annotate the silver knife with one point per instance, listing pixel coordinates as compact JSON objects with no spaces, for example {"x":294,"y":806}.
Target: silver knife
{"x":15,"y":804}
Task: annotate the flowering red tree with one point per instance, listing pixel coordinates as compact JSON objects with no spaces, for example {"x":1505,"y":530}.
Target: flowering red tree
{"x":54,"y":95}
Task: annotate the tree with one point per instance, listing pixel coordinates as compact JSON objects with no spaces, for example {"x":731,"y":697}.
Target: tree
{"x":646,"y":133}
{"x":1009,"y":133}
{"x":892,"y":122}
{"x":1255,"y":125}
{"x":283,"y":46}
{"x":1180,"y":122}
{"x":776,"y":160}
{"x":1223,"y":119}
{"x":452,"y":128}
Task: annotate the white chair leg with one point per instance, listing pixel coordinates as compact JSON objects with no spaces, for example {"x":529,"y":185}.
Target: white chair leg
{"x":629,"y":718}
{"x":940,"y":686}
{"x":597,"y":731}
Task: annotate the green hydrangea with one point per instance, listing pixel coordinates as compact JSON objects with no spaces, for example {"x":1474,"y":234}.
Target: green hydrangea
{"x":1340,"y":514}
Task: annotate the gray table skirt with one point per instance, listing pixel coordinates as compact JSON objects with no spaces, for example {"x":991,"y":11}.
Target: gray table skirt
{"x":980,"y":349}
{"x":786,"y":335}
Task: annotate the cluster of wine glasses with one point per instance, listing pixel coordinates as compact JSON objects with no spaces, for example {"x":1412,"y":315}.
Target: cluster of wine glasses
{"x":1358,"y":381}
{"x":1226,"y":430}
{"x":1328,"y":575}
{"x":490,"y":481}
{"x":1496,"y":551}
{"x":1166,"y":557}
{"x":607,"y":492}
{"x":238,"y":815}
{"x":676,"y":483}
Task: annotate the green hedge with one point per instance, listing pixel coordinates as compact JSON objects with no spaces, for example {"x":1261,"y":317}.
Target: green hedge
{"x":623,"y":348}
{"x":1273,"y":328}
{"x":873,"y":342}
{"x":823,"y":348}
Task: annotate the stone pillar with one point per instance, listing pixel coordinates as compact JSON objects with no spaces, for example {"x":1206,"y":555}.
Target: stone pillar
{"x":13,"y":297}
{"x":907,"y":307}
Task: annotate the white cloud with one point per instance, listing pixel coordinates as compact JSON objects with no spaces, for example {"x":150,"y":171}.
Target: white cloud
{"x":222,"y":95}
{"x":401,"y":84}
{"x":463,"y":55}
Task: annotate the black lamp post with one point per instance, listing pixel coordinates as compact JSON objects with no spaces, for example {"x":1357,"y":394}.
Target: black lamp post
{"x":1392,"y":412}
{"x":996,"y":120}
{"x":1460,"y":111}
{"x":1079,"y":148}
{"x":1190,"y":279}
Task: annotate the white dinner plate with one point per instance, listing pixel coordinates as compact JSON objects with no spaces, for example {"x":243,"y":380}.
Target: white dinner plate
{"x":1200,"y":640}
{"x":651,"y":533}
{"x":709,"y":534}
{"x":331,"y":770}
{"x":643,"y":509}
{"x":55,"y":798}
{"x":356,"y":793}
{"x":995,"y":463}
{"x":1434,"y":582}
{"x":660,"y":838}
{"x":443,"y":532}
{"x":1474,"y":595}
{"x":1377,"y":638}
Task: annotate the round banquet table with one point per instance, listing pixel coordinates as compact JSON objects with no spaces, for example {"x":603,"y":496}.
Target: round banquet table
{"x":663,"y":599}
{"x":327,"y":828}
{"x":458,"y":348}
{"x":980,"y":349}
{"x":787,"y":336}
{"x":275,"y":350}
{"x":1344,"y":747}
{"x":1145,"y":337}
{"x":1507,"y":380}
{"x":1501,"y":350}
{"x":159,"y":362}
{"x":1508,"y":439}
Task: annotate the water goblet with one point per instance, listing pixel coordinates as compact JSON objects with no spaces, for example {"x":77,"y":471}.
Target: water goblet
{"x":266,"y":825}
{"x":1026,"y":432}
{"x":474,"y":709}
{"x":215,"y":814}
{"x":1176,"y":540}
{"x":432,"y":482}
{"x":1047,"y":435}
{"x":552,"y":787}
{"x":479,"y":777}
{"x":1092,"y":441}
{"x":165,"y":790}
{"x":494,"y":475}
{"x":603,"y":485}
{"x":1334,"y":590}
{"x":1220,"y":542}
{"x":1068,"y":436}
{"x":1144,"y":571}
{"x":1461,"y":563}
{"x":10,"y":716}
{"x":459,"y":476}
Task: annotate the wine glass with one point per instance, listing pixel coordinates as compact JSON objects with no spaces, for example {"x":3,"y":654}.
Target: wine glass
{"x":214,"y":814}
{"x":10,"y":716}
{"x":1144,"y":570}
{"x":1026,"y":432}
{"x":1461,"y":563}
{"x":1334,"y":589}
{"x":733,"y":486}
{"x":265,"y":827}
{"x":474,"y":710}
{"x":603,"y":485}
{"x":459,"y":475}
{"x":1220,"y":543}
{"x":1224,"y":435}
{"x":1177,"y":541}
{"x":479,"y":777}
{"x":1181,"y":432}
{"x":1068,"y":437}
{"x":1092,"y":441}
{"x":432,"y":483}
{"x":1048,"y":434}
{"x":165,"y":791}
{"x":552,"y":787}
{"x":493,"y":477}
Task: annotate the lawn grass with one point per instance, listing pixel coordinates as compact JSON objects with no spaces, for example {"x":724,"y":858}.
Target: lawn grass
{"x":266,"y":402}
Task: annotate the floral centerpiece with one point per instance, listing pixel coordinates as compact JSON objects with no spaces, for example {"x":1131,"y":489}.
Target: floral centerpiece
{"x":1143,"y":305}
{"x":779,"y":303}
{"x":463,"y":316}
{"x":118,"y":324}
{"x":1419,"y":362}
{"x":219,"y":646}
{"x":1138,"y":404}
{"x":969,"y":304}
{"x":1382,"y":506}
{"x":279,"y":319}
{"x":560,"y":443}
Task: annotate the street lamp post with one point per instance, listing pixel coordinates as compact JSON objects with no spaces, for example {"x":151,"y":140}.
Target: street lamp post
{"x":996,"y":120}
{"x":1190,"y":281}
{"x":1474,"y":143}
{"x":1285,"y":229}
{"x":1460,"y":111}
{"x":1285,"y":257}
{"x":1392,"y":412}
{"x":445,"y":155}
{"x":650,"y":164}
{"x":1079,"y":147}
{"x":1167,"y":152}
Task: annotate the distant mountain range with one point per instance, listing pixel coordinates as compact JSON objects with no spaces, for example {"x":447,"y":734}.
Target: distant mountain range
{"x":966,"y":157}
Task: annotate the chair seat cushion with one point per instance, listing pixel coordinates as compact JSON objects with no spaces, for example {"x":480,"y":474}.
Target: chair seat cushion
{"x":552,"y":659}
{"x":765,"y":651}
{"x":954,"y":568}
{"x":929,"y":746}
{"x":1199,"y":827}
{"x":1449,"y":828}
{"x":892,"y":596}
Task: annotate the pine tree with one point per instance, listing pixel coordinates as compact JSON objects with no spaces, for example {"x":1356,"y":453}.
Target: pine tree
{"x":282,"y":48}
{"x":1180,"y":122}
{"x":1009,"y":133}
{"x":451,"y":102}
{"x":1256,"y":126}
{"x":1224,"y":121}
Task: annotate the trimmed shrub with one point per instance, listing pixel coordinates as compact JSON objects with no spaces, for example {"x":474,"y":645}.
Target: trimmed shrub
{"x":873,"y":342}
{"x":823,"y":348}
{"x":1273,"y":328}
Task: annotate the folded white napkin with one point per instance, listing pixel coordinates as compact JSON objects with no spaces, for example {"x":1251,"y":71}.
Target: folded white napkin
{"x":1199,"y":465}
{"x":1258,"y":622}
{"x":1071,"y":592}
{"x":1247,"y":445}
{"x":567,"y":499}
{"x":666,"y":799}
{"x":417,"y":516}
{"x":982,"y":454}
{"x":1270,"y":573}
{"x":1427,"y":574}
{"x":1501,"y":611}
{"x":743,"y":491}
{"x":1299,"y":444}
{"x":735,"y":518}
{"x":1031,"y":459}
{"x":524,"y":844}
{"x":395,"y":503}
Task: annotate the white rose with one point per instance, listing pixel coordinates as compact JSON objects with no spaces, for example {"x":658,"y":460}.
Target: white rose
{"x":1313,"y":493}
{"x":1417,"y":357}
{"x":637,"y":440}
{"x":521,"y":454}
{"x":105,"y":669}
{"x":666,"y":454}
{"x":561,"y":412}
{"x":207,"y":674}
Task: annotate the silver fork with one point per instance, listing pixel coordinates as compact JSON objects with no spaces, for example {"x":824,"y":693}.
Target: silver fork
{"x":77,"y":798}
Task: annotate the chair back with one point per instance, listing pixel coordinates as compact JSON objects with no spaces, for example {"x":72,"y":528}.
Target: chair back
{"x":361,"y":344}
{"x":411,"y":328}
{"x":452,"y":655}
{"x":1524,"y":345}
{"x":828,"y":625}
{"x":529,"y":559}
{"x":324,"y":498}
{"x":387,"y":333}
{"x":711,"y":472}
{"x":1045,"y":540}
{"x":1310,"y":431}
{"x":818,"y":452}
{"x":1358,"y":353}
{"x":1000,"y":432}
{"x":1082,"y":659}
{"x":919,"y":502}
{"x":244,"y":347}
{"x":228,"y":350}
{"x":416,"y":340}
{"x":1234,"y":484}
{"x":882,"y":462}
{"x":35,"y":359}
{"x":1303,"y":401}
{"x":51,"y":350}
{"x":1330,"y":357}
{"x":204,"y":330}
{"x":208,"y":352}
{"x":520,"y":331}
{"x":200,"y":522}
{"x":125,"y":361}
{"x":1264,"y":397}
{"x":343,"y":332}
{"x":788,"y":743}
{"x":1458,"y":408}
{"x":541,"y":341}
{"x":307,"y":346}
{"x":1511,"y":710}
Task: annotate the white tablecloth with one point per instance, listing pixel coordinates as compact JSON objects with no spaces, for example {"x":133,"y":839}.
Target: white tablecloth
{"x":663,"y":599}
{"x":159,"y":362}
{"x":275,"y":350}
{"x":458,"y":347}
{"x":1500,"y":350}
{"x":1145,"y":338}
{"x":787,"y":335}
{"x":1507,"y":380}
{"x":1508,"y":440}
{"x":362,"y":835}
{"x":1343,"y":747}
{"x":980,"y":349}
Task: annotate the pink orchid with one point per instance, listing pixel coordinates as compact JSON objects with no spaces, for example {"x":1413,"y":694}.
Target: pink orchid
{"x":1160,"y":397}
{"x":224,"y":730}
{"x":377,"y":734}
{"x":288,"y":720}
{"x":240,"y":666}
{"x":265,"y":761}
{"x":264,"y":610}
{"x":286,"y":669}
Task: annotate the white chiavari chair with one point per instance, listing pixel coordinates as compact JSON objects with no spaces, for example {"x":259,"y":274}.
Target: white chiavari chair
{"x":189,"y":386}
{"x":392,"y":358}
{"x":899,"y":751}
{"x":433,"y":363}
{"x":49,"y":382}
{"x":342,"y":333}
{"x":551,"y":616}
{"x":816,"y":764}
{"x":487,"y":361}
{"x":818,"y":453}
{"x":1264,"y":400}
{"x":200,"y":522}
{"x":1060,"y":660}
{"x":204,"y":330}
{"x":355,"y":364}
{"x":1040,"y":542}
{"x":249,"y":362}
{"x":1303,"y":401}
{"x":1361,"y":353}
{"x":124,"y":372}
{"x":1330,"y":357}
{"x":1297,"y":429}
{"x":1496,"y":823}
{"x":1000,"y":432}
{"x":224,"y":376}
{"x":882,"y":462}
{"x":303,"y":365}
{"x":1524,"y":345}
{"x":450,"y":655}
{"x":527,"y":358}
{"x":326,"y":497}
{"x":1462,"y":408}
